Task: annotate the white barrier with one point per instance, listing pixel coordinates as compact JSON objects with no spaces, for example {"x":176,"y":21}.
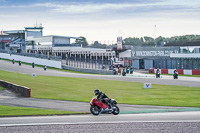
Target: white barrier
{"x":187,"y":72}
{"x":171,"y":71}
{"x":38,"y":61}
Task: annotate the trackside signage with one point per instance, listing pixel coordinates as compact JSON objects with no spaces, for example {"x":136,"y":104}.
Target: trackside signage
{"x":154,"y":52}
{"x":33,"y":74}
{"x":147,"y":85}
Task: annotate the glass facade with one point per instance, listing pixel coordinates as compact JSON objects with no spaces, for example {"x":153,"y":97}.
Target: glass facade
{"x":177,"y":63}
{"x":192,"y":49}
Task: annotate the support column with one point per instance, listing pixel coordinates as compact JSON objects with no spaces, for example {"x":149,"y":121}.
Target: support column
{"x":96,"y":62}
{"x":85,"y":60}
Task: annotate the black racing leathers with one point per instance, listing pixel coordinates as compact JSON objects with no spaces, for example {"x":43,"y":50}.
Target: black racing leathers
{"x":102,"y":97}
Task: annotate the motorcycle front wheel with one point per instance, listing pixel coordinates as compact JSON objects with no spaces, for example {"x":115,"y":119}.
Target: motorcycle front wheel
{"x":115,"y":110}
{"x":94,"y":110}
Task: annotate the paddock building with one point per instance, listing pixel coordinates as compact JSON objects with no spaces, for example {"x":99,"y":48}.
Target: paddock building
{"x":31,"y":42}
{"x":171,"y":56}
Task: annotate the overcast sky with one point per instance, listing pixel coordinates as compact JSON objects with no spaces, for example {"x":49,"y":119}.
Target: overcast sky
{"x":103,"y":20}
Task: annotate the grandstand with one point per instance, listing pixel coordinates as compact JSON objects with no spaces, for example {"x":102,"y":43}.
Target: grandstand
{"x":31,"y":42}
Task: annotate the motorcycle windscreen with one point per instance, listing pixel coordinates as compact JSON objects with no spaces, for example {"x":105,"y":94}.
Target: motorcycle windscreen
{"x":101,"y":104}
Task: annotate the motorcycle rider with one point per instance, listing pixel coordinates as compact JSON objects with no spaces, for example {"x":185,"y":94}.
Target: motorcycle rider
{"x":102,"y":97}
{"x":175,"y":74}
{"x":157,"y":73}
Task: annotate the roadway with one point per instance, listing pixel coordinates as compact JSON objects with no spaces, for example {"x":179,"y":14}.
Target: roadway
{"x":136,"y":77}
{"x":143,"y":123}
{"x":127,"y":123}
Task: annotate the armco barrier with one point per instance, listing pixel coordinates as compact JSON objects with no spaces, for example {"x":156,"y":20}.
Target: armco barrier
{"x":22,"y":90}
{"x":99,"y":71}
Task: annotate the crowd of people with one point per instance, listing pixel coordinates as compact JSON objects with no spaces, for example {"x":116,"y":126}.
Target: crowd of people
{"x":118,"y":70}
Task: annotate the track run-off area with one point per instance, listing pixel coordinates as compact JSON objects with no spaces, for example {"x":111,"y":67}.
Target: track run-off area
{"x":185,"y":120}
{"x":136,"y":77}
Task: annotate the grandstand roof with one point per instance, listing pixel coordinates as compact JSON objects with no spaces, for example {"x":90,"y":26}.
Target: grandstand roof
{"x":33,"y":28}
{"x":14,"y":31}
{"x":63,"y":36}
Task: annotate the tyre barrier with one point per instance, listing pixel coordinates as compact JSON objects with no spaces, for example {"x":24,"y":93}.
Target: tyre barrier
{"x":21,"y":90}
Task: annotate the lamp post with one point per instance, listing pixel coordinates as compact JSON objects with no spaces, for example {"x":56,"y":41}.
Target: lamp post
{"x":155,"y":32}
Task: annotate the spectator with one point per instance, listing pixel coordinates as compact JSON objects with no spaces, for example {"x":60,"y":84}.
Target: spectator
{"x":33,"y":65}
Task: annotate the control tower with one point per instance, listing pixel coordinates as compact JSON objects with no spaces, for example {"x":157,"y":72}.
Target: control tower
{"x":32,"y":32}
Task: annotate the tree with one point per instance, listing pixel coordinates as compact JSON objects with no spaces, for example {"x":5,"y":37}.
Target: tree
{"x":82,"y":41}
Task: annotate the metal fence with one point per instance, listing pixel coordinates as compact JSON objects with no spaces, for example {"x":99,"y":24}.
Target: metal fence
{"x":87,"y":70}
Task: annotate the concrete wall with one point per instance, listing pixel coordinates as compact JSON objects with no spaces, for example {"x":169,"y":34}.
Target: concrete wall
{"x":38,"y":61}
{"x":106,"y":72}
{"x":22,"y":90}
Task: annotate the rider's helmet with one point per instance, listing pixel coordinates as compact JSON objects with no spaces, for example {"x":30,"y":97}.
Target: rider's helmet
{"x":96,"y":92}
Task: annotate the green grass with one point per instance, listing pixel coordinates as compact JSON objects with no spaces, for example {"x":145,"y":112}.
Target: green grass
{"x":80,"y":89}
{"x":23,"y":111}
{"x":1,"y":88}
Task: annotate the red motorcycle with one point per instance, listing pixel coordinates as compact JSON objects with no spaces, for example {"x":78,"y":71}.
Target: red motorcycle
{"x":98,"y":107}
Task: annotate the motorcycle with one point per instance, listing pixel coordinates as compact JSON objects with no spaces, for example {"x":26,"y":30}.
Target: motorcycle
{"x":123,"y":72}
{"x":98,"y":107}
{"x":157,"y":74}
{"x":131,"y":71}
{"x":175,"y":75}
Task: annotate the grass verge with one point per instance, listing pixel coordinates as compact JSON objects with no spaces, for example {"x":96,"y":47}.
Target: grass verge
{"x":24,"y":111}
{"x":80,"y":89}
{"x":1,"y":88}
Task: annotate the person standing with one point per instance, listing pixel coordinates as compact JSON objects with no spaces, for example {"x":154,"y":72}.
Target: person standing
{"x":33,"y":65}
{"x":13,"y":61}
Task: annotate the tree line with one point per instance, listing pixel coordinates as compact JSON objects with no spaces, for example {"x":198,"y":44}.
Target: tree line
{"x":144,"y":41}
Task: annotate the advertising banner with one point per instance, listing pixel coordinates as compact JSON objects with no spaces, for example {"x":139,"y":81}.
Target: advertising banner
{"x":119,"y":43}
{"x":154,"y":52}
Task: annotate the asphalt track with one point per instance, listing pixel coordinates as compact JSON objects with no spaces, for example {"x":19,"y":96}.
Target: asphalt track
{"x":127,"y":123}
{"x":136,"y":77}
{"x":7,"y":98}
{"x":185,"y":122}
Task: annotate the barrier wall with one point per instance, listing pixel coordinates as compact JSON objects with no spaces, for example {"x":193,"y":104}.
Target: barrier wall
{"x":180,"y":71}
{"x":164,"y":71}
{"x":22,"y":90}
{"x":106,"y":72}
{"x":38,"y":61}
{"x":195,"y":72}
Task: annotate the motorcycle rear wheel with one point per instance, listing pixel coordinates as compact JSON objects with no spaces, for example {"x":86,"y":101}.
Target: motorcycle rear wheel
{"x":94,"y":110}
